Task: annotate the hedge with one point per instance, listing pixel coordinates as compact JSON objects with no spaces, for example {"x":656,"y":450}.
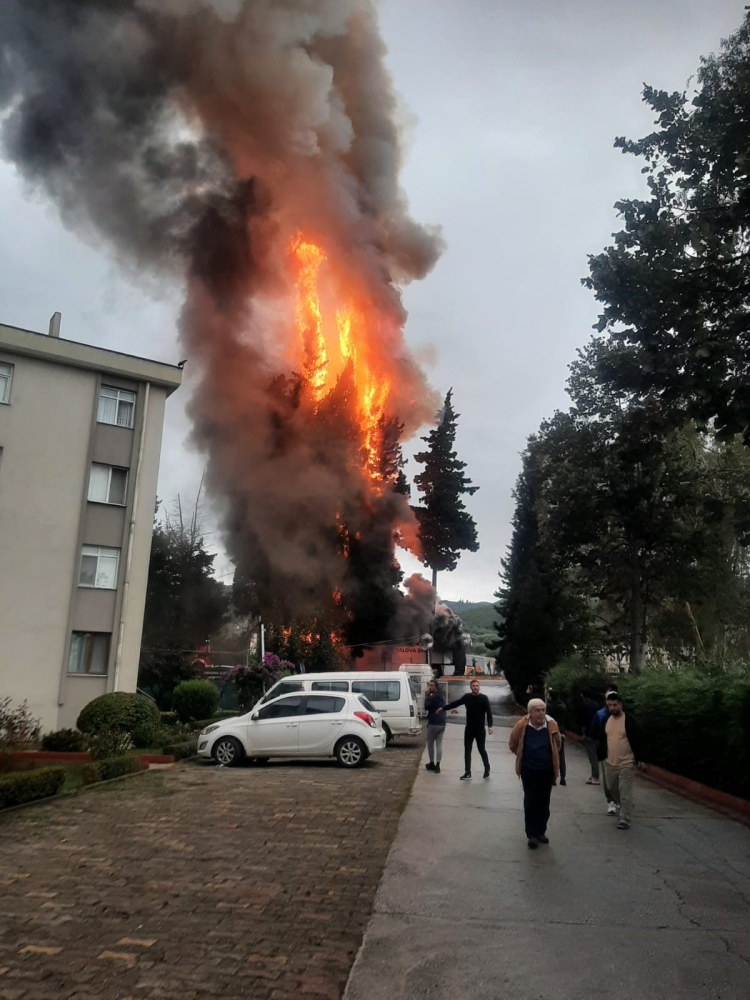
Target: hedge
{"x":195,"y":700}
{"x":130,"y":713}
{"x":113,"y":767}
{"x":182,"y":750}
{"x":65,"y":741}
{"x":694,"y":723}
{"x":26,"y":786}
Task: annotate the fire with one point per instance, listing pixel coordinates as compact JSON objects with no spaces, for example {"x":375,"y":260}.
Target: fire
{"x":329,"y":345}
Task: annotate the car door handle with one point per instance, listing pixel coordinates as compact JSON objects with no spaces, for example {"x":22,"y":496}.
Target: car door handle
{"x":337,"y":723}
{"x":291,"y":725}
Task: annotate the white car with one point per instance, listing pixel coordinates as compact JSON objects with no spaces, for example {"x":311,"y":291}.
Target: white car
{"x":325,"y":724}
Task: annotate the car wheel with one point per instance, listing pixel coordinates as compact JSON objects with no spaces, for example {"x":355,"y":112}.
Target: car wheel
{"x":351,"y":752}
{"x":388,"y":735}
{"x":227,"y":751}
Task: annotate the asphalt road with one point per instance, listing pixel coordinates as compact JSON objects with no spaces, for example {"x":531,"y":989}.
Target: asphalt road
{"x":466,"y":910}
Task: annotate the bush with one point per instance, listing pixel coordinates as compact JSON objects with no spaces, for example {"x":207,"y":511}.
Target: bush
{"x":569,"y":678}
{"x":115,"y":767}
{"x":110,"y":743}
{"x":252,"y":680}
{"x":26,"y":786}
{"x":65,"y":741}
{"x":195,"y":700}
{"x":18,"y":727}
{"x":169,"y":718}
{"x":182,"y":750}
{"x":123,"y":712}
{"x":694,"y":721}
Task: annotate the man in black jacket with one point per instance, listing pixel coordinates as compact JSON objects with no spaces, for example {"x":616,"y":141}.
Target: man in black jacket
{"x":477,"y":710}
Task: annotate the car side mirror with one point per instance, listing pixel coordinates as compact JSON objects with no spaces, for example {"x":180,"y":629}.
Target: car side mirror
{"x":254,"y":717}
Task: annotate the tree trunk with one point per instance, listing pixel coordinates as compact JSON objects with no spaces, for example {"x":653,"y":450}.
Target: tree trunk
{"x":637,"y":612}
{"x":434,"y":579}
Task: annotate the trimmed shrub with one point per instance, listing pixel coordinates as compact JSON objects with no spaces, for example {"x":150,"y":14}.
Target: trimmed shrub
{"x":169,"y":718}
{"x":182,"y":750}
{"x":120,"y":711}
{"x":26,"y":786}
{"x":89,"y":774}
{"x":115,"y":767}
{"x":110,"y":743}
{"x":64,"y":741}
{"x":195,"y":700}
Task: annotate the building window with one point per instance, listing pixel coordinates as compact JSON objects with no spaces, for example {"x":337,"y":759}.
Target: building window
{"x":89,"y":652}
{"x":99,"y":567}
{"x":116,"y":406}
{"x":6,"y":377}
{"x":108,"y":484}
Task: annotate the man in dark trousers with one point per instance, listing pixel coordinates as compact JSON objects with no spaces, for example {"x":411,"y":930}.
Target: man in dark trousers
{"x":477,"y":710}
{"x":535,"y":740}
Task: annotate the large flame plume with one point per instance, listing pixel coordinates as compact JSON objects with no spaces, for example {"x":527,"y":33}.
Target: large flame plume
{"x":251,"y":148}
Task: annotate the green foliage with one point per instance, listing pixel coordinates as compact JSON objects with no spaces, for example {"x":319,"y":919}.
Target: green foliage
{"x":184,"y":605}
{"x":121,"y":712}
{"x":674,"y":285}
{"x":445,"y":526}
{"x":108,"y":743}
{"x":694,"y":722}
{"x":182,"y":750}
{"x":26,"y":786}
{"x":255,"y":678}
{"x":18,"y":727}
{"x":194,"y":700}
{"x":115,"y":767}
{"x":65,"y":741}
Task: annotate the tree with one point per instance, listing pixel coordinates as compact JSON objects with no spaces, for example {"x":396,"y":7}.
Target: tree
{"x":675,"y":286}
{"x":184,"y":603}
{"x":445,"y":526}
{"x":542,"y":617}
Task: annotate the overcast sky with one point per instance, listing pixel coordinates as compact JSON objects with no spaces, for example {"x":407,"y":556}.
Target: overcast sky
{"x":511,"y":110}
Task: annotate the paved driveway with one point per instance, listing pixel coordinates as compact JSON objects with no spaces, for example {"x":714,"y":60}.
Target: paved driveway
{"x":199,"y":882}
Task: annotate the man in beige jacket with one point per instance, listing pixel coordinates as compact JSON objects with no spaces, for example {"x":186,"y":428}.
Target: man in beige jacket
{"x":535,"y":740}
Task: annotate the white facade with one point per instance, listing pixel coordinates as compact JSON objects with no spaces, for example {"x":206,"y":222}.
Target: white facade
{"x":73,"y":571}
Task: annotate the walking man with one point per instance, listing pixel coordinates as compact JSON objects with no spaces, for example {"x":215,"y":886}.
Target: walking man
{"x":595,"y":733}
{"x":434,"y":705}
{"x":477,"y":710}
{"x":535,"y":740}
{"x":587,"y":709}
{"x":618,"y":748}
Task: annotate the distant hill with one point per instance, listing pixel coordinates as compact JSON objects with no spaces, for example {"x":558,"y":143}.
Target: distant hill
{"x":478,"y":619}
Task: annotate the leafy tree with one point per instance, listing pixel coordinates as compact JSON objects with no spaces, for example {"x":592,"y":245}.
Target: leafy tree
{"x":184,"y":604}
{"x":445,"y":526}
{"x":675,"y":285}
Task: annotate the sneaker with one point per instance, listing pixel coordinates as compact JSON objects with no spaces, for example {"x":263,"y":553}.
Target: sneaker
{"x":622,"y":825}
{"x":563,"y":781}
{"x":533,"y":843}
{"x":611,"y":809}
{"x":429,"y":767}
{"x":543,"y":839}
{"x":436,"y":769}
{"x":486,"y":772}
{"x":464,"y":776}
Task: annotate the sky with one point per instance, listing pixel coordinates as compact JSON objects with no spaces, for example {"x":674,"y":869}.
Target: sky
{"x":510,"y":109}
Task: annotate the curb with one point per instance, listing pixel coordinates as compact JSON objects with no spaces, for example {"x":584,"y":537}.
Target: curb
{"x":729,"y":805}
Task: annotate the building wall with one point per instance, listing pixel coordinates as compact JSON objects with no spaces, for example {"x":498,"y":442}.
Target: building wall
{"x":49,"y":438}
{"x":44,"y":434}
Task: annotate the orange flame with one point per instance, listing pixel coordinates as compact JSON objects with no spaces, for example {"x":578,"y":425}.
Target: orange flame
{"x":326,"y":353}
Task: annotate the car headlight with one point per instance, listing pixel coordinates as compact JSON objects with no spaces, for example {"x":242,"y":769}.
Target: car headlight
{"x":209,"y":729}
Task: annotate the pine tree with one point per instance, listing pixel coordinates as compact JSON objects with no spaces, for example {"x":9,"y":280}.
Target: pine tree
{"x":445,"y":526}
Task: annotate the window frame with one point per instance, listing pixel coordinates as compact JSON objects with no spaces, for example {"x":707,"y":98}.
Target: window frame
{"x":5,"y":400}
{"x":99,"y":549}
{"x":110,"y":469}
{"x":319,"y":696}
{"x":117,"y":397}
{"x":88,"y":654}
{"x":375,"y":684}
{"x":280,"y":704}
{"x":343,"y":687}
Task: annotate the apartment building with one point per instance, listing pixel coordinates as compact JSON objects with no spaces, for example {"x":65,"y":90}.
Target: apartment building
{"x":80,"y":438}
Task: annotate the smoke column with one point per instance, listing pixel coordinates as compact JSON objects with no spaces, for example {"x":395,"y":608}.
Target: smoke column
{"x":201,"y":138}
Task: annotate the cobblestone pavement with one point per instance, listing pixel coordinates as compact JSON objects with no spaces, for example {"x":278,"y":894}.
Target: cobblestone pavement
{"x":199,"y":882}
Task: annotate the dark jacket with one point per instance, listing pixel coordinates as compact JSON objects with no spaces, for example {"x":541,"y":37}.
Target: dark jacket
{"x":632,"y":731}
{"x":477,"y":709}
{"x":585,"y":712}
{"x":432,"y":705}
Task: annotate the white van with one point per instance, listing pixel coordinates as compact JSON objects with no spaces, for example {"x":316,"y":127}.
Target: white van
{"x":420,"y":675}
{"x":388,"y":690}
